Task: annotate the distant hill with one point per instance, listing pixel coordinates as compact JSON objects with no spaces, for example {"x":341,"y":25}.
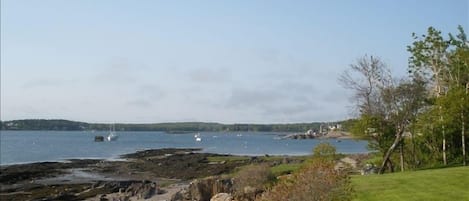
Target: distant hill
{"x":180,"y":127}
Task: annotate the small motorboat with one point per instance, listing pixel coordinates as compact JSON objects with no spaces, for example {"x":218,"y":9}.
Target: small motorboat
{"x":98,"y":138}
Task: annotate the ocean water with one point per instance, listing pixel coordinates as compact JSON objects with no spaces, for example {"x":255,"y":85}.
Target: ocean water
{"x":38,"y":146}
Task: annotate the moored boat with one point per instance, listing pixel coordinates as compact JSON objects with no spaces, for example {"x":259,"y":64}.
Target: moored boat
{"x":112,"y":134}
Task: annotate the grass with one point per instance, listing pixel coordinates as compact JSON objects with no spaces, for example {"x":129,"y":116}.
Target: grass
{"x":434,"y":184}
{"x":276,"y":170}
{"x":242,"y":158}
{"x":285,"y":168}
{"x":227,"y":158}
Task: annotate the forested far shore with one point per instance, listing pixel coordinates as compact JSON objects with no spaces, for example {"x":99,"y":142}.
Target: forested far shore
{"x":178,"y":127}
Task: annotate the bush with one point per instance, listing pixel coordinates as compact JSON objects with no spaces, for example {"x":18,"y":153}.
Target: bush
{"x":324,"y":150}
{"x":317,"y":180}
{"x":253,"y":177}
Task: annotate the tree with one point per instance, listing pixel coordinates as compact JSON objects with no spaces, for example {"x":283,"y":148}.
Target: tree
{"x":460,"y":68}
{"x":429,"y":60}
{"x":405,"y":102}
{"x":386,"y":105}
{"x":443,"y":65}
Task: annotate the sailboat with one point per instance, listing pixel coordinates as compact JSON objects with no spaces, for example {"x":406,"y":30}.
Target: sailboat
{"x":197,"y":137}
{"x":112,"y":134}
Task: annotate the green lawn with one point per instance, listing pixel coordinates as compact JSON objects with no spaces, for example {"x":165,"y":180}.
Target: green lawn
{"x":435,"y":184}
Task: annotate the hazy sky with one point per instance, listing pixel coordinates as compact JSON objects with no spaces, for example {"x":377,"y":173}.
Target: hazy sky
{"x":219,"y":61}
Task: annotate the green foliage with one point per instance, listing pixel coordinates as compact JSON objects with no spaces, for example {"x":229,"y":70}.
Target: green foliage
{"x":375,"y":159}
{"x":428,"y":54}
{"x":436,"y":184}
{"x":379,"y":133}
{"x":324,"y":150}
{"x":348,"y":124}
{"x":431,"y":107}
{"x":443,"y":64}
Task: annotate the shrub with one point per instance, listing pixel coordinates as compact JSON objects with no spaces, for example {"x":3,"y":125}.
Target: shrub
{"x":324,"y":150}
{"x":317,"y":180}
{"x":252,"y":176}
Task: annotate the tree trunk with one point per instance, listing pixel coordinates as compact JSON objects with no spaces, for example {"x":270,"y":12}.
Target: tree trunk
{"x":390,"y":166}
{"x":390,"y":150}
{"x":401,"y":150}
{"x":444,"y":145}
{"x":413,"y":148}
{"x":463,"y":141}
{"x":442,"y":127}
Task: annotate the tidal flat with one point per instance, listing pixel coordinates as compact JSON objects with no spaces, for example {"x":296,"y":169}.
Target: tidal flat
{"x":162,"y":172}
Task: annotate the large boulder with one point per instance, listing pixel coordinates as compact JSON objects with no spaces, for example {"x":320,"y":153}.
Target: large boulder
{"x":204,"y":189}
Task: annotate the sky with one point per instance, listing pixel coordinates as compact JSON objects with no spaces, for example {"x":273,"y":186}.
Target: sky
{"x":213,"y":61}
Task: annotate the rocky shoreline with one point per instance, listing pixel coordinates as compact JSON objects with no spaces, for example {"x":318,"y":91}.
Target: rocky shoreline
{"x":161,"y":174}
{"x":338,"y":135}
{"x":160,"y":171}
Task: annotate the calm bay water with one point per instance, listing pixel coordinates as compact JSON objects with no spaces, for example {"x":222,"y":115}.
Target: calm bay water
{"x":38,"y":146}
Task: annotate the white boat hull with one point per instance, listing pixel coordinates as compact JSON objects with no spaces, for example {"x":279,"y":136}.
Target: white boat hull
{"x":112,"y":137}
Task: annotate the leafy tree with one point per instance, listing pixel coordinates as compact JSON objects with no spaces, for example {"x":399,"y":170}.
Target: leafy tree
{"x":386,"y":106}
{"x":443,"y":65}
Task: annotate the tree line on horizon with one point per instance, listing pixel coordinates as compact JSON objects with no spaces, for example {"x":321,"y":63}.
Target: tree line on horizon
{"x":175,"y":128}
{"x":419,"y":120}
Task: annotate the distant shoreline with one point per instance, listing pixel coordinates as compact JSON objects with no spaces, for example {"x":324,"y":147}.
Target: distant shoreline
{"x":173,"y":127}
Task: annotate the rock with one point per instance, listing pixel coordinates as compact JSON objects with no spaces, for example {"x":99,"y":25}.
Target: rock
{"x":204,"y":189}
{"x":249,"y":190}
{"x":140,"y":189}
{"x":198,"y":190}
{"x":350,"y":161}
{"x":201,"y":189}
{"x":249,"y":193}
{"x":143,"y":189}
{"x":222,"y":197}
{"x":179,"y":196}
{"x":346,"y":163}
{"x":103,"y":198}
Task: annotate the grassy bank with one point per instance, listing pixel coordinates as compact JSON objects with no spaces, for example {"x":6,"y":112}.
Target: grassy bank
{"x":435,"y":184}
